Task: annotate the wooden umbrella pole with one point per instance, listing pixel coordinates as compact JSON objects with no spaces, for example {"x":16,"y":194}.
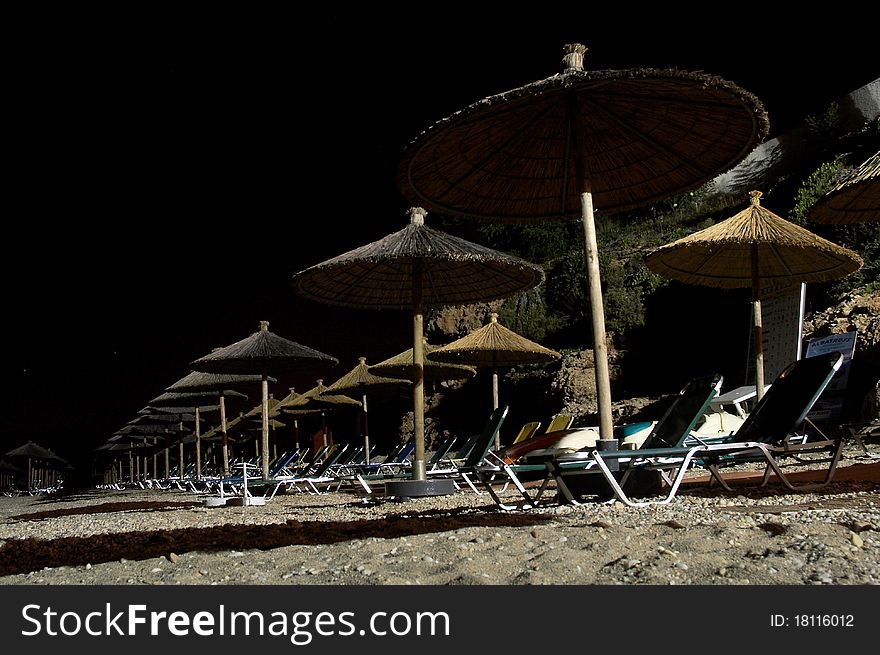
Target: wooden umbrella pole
{"x":265,"y":441}
{"x":225,"y":435}
{"x":418,"y":465}
{"x":155,"y":457}
{"x":198,"y":446}
{"x":180,"y":450}
{"x":600,"y":348}
{"x":759,"y":326}
{"x":495,"y":404}
{"x":366,"y":431}
{"x":167,"y":456}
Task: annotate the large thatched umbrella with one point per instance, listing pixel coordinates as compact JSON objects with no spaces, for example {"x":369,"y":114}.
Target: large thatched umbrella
{"x":855,"y":199}
{"x":547,"y":151}
{"x":261,"y":353}
{"x":494,"y":346}
{"x":754,"y":248}
{"x":412,"y":268}
{"x":358,"y":381}
{"x":222,"y":384}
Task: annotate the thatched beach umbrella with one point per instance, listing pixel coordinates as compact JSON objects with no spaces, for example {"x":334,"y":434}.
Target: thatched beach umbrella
{"x":33,"y":451}
{"x":548,"y":151}
{"x":261,"y":353}
{"x":358,"y":381}
{"x":223,"y":384}
{"x":413,"y":268}
{"x":754,"y":248}
{"x":855,"y":199}
{"x":318,"y":399}
{"x":401,"y":366}
{"x":494,"y":346}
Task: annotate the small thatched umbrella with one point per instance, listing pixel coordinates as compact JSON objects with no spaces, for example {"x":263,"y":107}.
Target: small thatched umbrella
{"x":855,"y":199}
{"x":317,"y":398}
{"x":493,"y":346}
{"x":33,"y":451}
{"x":358,"y":381}
{"x":414,"y":267}
{"x":223,"y":384}
{"x":548,"y":150}
{"x":753,"y":248}
{"x":261,"y":353}
{"x":401,"y":366}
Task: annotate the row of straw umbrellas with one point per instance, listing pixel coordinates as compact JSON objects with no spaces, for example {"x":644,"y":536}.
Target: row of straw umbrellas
{"x":199,"y":392}
{"x":557,"y":149}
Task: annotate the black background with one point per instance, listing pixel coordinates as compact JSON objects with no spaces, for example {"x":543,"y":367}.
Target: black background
{"x":169,"y":173}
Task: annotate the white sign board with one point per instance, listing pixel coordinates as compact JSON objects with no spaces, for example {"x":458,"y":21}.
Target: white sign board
{"x":830,"y":403}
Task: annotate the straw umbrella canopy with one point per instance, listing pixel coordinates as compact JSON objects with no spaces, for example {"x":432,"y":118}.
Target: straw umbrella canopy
{"x":415,"y":267}
{"x":753,"y":248}
{"x":358,"y":381}
{"x":32,"y":451}
{"x":223,"y":384}
{"x":547,"y":151}
{"x":401,"y":366}
{"x":317,"y":398}
{"x":493,"y":346}
{"x":855,"y":199}
{"x":260,"y":353}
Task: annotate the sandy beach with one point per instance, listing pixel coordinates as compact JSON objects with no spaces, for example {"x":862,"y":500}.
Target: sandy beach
{"x":705,"y":536}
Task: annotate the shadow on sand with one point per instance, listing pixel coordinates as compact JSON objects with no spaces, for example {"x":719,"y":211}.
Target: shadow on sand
{"x":26,"y":555}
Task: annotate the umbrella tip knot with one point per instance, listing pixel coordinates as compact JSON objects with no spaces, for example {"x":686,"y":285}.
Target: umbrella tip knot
{"x":493,"y":317}
{"x":755,"y":197}
{"x":573,"y":57}
{"x":264,"y":326}
{"x":417,"y":215}
{"x":362,"y":360}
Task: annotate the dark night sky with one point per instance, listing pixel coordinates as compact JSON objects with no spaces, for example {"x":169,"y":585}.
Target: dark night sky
{"x":171,"y":173}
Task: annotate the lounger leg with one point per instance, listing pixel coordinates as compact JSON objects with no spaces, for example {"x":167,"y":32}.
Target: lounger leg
{"x":618,"y":491}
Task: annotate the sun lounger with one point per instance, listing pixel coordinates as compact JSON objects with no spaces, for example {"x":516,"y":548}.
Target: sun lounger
{"x":671,"y":431}
{"x":775,"y":430}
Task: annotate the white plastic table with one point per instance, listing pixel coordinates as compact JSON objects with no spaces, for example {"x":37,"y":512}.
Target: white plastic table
{"x":736,"y":397}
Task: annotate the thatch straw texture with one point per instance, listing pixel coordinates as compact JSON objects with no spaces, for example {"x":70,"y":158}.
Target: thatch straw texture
{"x":34,"y":450}
{"x":638,"y":136}
{"x":722,"y":255}
{"x":317,"y":397}
{"x":446,"y":270}
{"x":493,"y":345}
{"x":219,"y":382}
{"x":260,"y":352}
{"x":401,"y":366}
{"x":360,"y":380}
{"x":855,"y":199}
{"x":170,"y":401}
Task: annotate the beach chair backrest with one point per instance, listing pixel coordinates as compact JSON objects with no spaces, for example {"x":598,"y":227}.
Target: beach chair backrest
{"x":329,"y":461}
{"x":787,"y":402}
{"x":283,"y":461}
{"x":466,"y":447}
{"x":682,"y":415}
{"x":559,"y":422}
{"x":441,"y":452}
{"x":405,"y":452}
{"x":527,"y":431}
{"x":487,"y":437}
